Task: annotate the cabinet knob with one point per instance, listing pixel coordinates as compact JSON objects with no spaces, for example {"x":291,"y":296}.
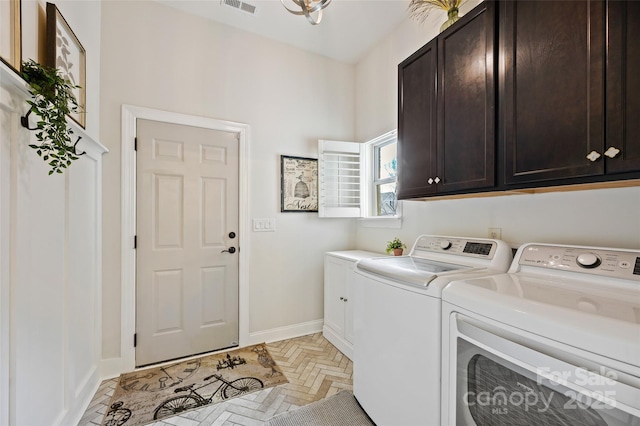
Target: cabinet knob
{"x":341,"y":298}
{"x":437,"y":179}
{"x":593,"y":156}
{"x":430,"y":181}
{"x":345,"y":299}
{"x":612,"y":152}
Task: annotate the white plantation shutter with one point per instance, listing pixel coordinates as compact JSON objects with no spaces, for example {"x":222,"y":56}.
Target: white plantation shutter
{"x":340,"y":180}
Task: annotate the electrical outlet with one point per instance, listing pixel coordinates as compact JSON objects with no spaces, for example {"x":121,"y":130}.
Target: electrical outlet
{"x":495,"y":233}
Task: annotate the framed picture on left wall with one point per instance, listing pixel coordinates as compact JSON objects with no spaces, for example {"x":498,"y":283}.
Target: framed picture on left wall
{"x":10,"y":33}
{"x":64,"y":52}
{"x":298,"y":184}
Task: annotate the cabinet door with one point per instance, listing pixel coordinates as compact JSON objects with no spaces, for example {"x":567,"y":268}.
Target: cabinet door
{"x":350,"y":277}
{"x":417,"y":123}
{"x":466,"y":102}
{"x":552,"y":89}
{"x":623,"y":86}
{"x":334,"y":292}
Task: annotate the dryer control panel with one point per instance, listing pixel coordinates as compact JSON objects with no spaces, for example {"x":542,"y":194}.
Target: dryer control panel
{"x":480,"y":248}
{"x":590,"y":260}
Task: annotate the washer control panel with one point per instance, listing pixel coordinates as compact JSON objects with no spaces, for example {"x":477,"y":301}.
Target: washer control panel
{"x":591,"y":260}
{"x":484,"y":249}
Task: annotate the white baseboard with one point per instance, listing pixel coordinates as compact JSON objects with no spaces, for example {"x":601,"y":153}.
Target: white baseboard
{"x":82,"y":400}
{"x":112,"y":367}
{"x":288,"y":332}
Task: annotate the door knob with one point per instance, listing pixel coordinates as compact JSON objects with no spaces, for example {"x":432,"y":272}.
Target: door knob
{"x":229,"y":250}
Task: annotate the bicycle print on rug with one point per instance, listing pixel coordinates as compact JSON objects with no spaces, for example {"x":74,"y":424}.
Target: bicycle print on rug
{"x":149,"y":395}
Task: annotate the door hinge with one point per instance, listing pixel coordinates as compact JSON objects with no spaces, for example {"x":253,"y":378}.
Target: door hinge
{"x":135,"y":339}
{"x":135,"y":144}
{"x":135,"y":242}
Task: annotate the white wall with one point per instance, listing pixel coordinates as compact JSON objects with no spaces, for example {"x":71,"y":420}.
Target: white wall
{"x":157,"y":57}
{"x":50,"y":333}
{"x":603,"y":217}
{"x":50,"y":283}
{"x":606,"y":217}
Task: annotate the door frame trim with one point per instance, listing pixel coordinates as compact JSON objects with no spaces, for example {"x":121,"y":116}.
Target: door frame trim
{"x":129,"y":116}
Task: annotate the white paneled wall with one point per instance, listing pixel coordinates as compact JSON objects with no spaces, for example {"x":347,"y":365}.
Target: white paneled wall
{"x":50,"y":273}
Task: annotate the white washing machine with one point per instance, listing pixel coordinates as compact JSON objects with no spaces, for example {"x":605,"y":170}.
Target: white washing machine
{"x":555,"y":341}
{"x":397,"y":324}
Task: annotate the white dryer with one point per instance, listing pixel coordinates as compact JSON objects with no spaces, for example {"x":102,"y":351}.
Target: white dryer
{"x":555,"y":341}
{"x":397,"y":329}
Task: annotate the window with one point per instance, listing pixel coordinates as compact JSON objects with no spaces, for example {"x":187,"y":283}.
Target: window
{"x":358,"y":179}
{"x":385,"y":176}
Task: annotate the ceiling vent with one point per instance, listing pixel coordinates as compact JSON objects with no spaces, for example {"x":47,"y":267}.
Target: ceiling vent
{"x":240,"y":5}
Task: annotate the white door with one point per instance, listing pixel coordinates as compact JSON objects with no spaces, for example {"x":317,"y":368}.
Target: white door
{"x":187,"y":224}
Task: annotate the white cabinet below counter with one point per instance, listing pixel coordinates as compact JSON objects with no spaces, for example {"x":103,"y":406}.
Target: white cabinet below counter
{"x":339,"y":273}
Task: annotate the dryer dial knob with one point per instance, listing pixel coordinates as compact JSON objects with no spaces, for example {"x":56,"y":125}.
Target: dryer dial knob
{"x":588,"y":260}
{"x":445,"y":245}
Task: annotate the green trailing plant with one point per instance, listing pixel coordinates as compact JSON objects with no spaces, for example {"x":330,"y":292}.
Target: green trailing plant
{"x":52,"y":101}
{"x":396,"y":243}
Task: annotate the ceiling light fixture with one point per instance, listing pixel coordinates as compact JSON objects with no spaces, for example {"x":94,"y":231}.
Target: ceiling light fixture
{"x":309,"y":7}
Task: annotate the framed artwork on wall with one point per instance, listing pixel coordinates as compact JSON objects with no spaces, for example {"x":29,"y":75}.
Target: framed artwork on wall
{"x":10,"y":33}
{"x":64,"y":52}
{"x":298,"y":184}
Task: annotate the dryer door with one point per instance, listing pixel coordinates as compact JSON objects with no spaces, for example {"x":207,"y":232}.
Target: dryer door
{"x":497,"y":381}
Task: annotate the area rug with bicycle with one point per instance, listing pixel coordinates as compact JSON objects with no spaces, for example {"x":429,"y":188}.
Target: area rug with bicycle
{"x":148,"y":395}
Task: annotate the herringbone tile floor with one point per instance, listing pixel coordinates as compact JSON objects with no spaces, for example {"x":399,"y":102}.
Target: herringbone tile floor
{"x":315,"y":370}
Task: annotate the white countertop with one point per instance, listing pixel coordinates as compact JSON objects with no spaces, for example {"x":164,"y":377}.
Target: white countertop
{"x":354,"y":255}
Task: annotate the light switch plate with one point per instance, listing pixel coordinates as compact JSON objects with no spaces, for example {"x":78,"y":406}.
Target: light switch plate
{"x":264,"y":225}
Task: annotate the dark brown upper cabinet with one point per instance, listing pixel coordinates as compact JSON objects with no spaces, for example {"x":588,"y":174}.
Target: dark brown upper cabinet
{"x":552,"y":89}
{"x":417,"y":123}
{"x":565,"y":100}
{"x":466,"y":102}
{"x":446,"y":111}
{"x":622,"y":149}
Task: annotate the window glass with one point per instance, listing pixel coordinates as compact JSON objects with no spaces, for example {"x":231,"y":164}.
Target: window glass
{"x":385,"y":177}
{"x":386,"y":197}
{"x":387,"y":163}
